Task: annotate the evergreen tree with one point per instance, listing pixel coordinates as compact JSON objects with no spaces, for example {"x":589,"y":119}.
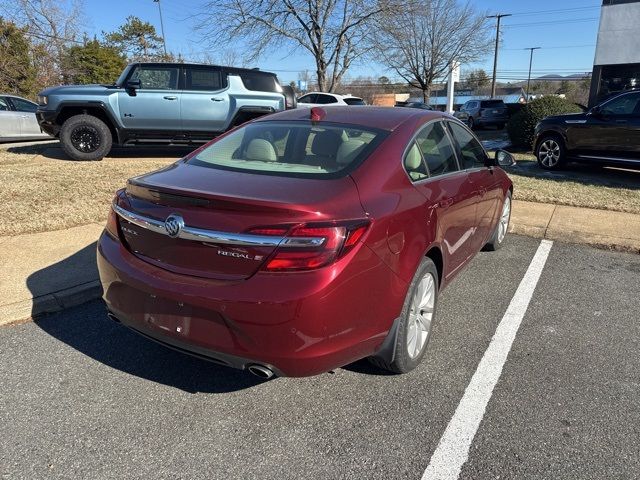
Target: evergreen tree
{"x":93,"y":62}
{"x":138,"y":40}
{"x":17,"y":72}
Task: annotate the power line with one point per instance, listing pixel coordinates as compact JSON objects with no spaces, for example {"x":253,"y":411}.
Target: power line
{"x":560,"y":10}
{"x":551,"y":22}
{"x":558,"y":47}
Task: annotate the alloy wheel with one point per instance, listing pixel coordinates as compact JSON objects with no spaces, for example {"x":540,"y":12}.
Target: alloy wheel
{"x":503,"y":226}
{"x":85,"y":138}
{"x":421,"y":315}
{"x":549,"y":153}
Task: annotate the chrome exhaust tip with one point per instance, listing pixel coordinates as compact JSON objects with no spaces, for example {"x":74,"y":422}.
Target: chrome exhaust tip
{"x":261,"y":371}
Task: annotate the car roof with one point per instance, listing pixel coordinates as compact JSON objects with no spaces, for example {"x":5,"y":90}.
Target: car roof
{"x":193,"y":64}
{"x":337,"y":95}
{"x":384,"y":118}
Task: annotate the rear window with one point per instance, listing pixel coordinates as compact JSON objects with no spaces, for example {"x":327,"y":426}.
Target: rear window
{"x":492,"y":104}
{"x":354,"y":101}
{"x":291,"y":149}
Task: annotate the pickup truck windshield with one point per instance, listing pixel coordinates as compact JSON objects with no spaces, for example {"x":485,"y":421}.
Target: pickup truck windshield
{"x":298,"y":149}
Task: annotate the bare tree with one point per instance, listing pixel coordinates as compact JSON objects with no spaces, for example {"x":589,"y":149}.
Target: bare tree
{"x":420,"y":42}
{"x":52,"y":25}
{"x":332,"y":31}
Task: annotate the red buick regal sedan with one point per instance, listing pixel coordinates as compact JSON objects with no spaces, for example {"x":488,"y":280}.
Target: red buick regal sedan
{"x":305,"y":240}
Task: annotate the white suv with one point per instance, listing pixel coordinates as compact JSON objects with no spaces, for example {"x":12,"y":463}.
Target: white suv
{"x":314,"y":99}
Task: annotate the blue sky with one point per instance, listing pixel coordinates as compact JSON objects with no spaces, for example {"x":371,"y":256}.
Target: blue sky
{"x":566,"y":30}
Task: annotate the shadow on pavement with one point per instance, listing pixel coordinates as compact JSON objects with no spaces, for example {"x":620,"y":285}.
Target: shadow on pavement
{"x":87,"y":329}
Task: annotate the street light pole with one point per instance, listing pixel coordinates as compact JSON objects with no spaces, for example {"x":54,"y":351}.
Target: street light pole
{"x":164,"y":40}
{"x":495,"y":57}
{"x":531,"y":49}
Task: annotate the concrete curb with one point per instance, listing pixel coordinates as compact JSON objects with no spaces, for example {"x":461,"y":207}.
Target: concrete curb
{"x":27,"y":310}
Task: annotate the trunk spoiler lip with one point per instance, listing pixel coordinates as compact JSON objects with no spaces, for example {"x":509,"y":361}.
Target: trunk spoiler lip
{"x":212,"y":236}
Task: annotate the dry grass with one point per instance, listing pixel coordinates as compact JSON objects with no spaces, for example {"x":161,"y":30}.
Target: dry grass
{"x":42,"y":193}
{"x":47,"y":192}
{"x":577,"y":185}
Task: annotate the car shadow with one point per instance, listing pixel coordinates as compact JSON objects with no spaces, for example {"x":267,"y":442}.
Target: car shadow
{"x":87,"y":329}
{"x":53,"y":151}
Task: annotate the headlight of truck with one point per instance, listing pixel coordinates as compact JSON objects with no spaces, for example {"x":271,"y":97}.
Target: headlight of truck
{"x":42,"y":100}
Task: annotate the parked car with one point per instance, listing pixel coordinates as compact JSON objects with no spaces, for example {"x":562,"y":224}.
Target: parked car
{"x":18,"y":120}
{"x":315,"y":99}
{"x":157,"y":104}
{"x":484,"y":113}
{"x":421,"y":105}
{"x":609,"y":133}
{"x":305,"y":240}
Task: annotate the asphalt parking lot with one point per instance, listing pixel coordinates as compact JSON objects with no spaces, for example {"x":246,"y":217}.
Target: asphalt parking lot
{"x":82,"y":397}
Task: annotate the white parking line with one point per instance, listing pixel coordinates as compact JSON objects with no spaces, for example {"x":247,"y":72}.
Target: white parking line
{"x":453,"y":449}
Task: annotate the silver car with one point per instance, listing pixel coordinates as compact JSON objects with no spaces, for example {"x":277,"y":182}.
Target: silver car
{"x":18,"y":120}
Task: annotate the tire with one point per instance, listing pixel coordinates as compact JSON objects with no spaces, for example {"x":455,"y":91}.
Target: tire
{"x":502,"y":227}
{"x":85,"y":137}
{"x":407,"y":354}
{"x":551,"y":152}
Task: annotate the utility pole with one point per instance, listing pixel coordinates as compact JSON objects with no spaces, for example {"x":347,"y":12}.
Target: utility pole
{"x":531,"y":49}
{"x":495,"y":58}
{"x":164,"y":40}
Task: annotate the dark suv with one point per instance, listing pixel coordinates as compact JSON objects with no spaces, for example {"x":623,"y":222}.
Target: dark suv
{"x":609,"y":133}
{"x":157,"y":104}
{"x":484,"y":113}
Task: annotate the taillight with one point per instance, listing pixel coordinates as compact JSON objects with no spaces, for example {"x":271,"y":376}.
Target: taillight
{"x":326,"y":244}
{"x":112,"y":223}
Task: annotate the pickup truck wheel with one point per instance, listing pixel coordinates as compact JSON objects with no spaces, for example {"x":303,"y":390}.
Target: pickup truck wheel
{"x":85,"y":137}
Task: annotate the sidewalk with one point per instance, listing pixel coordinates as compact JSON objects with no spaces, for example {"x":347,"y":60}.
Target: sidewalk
{"x":51,"y":271}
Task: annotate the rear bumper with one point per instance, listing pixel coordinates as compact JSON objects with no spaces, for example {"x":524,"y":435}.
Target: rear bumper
{"x":492,"y":120}
{"x":298,"y":324}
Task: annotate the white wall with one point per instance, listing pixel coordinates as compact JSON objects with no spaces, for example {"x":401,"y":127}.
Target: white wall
{"x":619,"y":34}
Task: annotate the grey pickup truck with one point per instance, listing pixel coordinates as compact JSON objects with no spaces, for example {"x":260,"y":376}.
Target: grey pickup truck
{"x":158,"y":104}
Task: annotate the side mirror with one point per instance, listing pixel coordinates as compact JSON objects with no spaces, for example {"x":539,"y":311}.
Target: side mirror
{"x":596,"y":111}
{"x":504,"y":158}
{"x":133,"y":84}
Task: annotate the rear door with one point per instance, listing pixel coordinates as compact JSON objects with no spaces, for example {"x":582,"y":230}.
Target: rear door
{"x":447,"y":188}
{"x":482,"y":181}
{"x":10,"y":124}
{"x":156,"y":104}
{"x":205,"y":100}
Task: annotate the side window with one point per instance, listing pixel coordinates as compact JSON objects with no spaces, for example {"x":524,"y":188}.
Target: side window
{"x":4,"y":105}
{"x":473,"y":155}
{"x":259,"y":82}
{"x":437,"y":150}
{"x":208,"y":79}
{"x":156,"y":78}
{"x":325,"y":99}
{"x":624,"y":105}
{"x":414,"y":165}
{"x":24,"y":106}
{"x":310,"y":98}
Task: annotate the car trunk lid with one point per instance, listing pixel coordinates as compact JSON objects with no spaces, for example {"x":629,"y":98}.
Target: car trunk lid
{"x":216,"y":208}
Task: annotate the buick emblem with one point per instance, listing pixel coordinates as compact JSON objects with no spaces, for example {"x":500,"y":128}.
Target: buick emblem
{"x":174,"y":225}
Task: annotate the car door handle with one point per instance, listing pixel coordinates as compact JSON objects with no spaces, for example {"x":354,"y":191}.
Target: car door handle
{"x":170,"y":97}
{"x":620,"y":120}
{"x":446,"y":202}
{"x":217,"y":99}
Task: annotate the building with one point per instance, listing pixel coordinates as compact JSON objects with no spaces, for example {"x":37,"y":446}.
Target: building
{"x":617,"y":62}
